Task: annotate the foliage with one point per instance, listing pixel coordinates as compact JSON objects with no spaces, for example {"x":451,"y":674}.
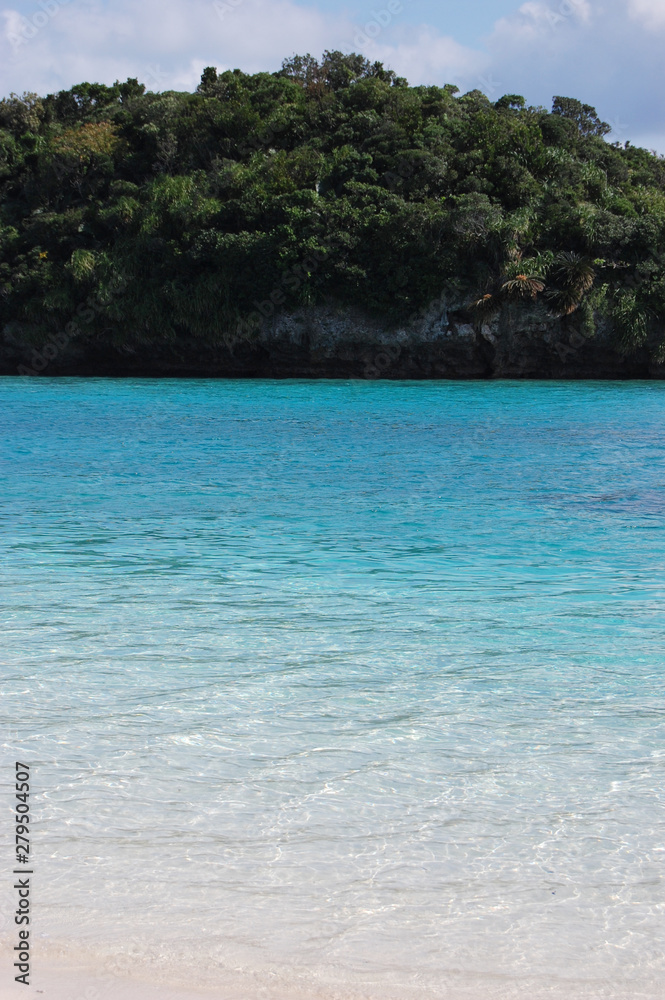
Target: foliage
{"x":573,"y":276}
{"x":155,"y":218}
{"x":522,"y":286}
{"x":583,"y":115}
{"x":630,"y":321}
{"x":86,"y":141}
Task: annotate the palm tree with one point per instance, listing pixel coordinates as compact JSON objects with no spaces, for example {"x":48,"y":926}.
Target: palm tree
{"x":512,"y":287}
{"x":573,"y":277}
{"x":630,"y":322}
{"x":486,"y":306}
{"x":522,"y":286}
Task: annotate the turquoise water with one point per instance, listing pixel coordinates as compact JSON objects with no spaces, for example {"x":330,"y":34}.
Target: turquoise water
{"x":342,"y":688}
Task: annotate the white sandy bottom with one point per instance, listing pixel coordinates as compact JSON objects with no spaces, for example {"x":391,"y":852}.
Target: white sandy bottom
{"x":54,"y":981}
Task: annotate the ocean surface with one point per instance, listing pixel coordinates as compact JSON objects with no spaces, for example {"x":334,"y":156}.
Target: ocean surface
{"x":340,"y":689}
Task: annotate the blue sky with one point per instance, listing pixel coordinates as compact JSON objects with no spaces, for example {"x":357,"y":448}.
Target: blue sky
{"x":467,"y":21}
{"x":606,"y":52}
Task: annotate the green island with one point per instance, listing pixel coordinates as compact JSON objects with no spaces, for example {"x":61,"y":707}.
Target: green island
{"x":325,"y":220}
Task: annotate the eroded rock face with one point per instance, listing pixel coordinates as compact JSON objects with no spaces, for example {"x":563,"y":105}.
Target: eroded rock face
{"x":333,"y":341}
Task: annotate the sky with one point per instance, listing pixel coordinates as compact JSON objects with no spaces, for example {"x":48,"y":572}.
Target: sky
{"x":607,"y":53}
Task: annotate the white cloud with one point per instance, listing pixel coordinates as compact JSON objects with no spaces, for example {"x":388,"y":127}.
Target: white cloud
{"x":651,"y":12}
{"x":593,"y":50}
{"x":606,"y":52}
{"x":93,"y":41}
{"x":423,"y":56}
{"x":534,"y":16}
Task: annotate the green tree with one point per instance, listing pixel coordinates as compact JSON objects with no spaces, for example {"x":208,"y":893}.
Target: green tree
{"x":583,"y":115}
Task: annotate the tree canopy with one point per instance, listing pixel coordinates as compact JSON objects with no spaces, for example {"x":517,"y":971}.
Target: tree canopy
{"x":146,"y":217}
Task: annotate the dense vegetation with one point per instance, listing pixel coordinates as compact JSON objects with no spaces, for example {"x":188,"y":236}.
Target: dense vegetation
{"x":134,"y":217}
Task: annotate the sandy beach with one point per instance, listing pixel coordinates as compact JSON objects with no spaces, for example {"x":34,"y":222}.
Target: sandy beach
{"x":55,"y":982}
{"x":75,"y":984}
{"x":65,"y":984}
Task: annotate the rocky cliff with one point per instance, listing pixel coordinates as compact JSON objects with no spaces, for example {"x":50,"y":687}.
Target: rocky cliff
{"x":441,"y":341}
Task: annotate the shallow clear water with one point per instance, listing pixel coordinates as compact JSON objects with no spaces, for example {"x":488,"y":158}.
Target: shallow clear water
{"x":355,"y":687}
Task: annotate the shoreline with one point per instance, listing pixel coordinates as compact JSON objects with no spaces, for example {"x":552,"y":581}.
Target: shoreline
{"x":54,"y":983}
{"x":335,"y":342}
{"x":52,"y":980}
{"x":221,"y":376}
{"x":167,"y":374}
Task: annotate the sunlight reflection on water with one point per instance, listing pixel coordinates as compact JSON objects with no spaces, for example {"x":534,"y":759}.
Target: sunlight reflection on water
{"x":363,"y":683}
